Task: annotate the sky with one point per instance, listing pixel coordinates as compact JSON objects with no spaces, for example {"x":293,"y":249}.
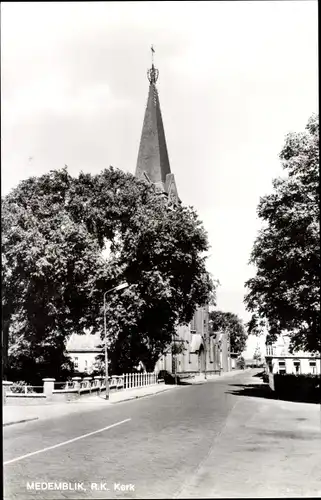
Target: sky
{"x":234,"y":79}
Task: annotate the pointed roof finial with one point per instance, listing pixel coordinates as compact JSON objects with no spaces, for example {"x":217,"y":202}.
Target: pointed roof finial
{"x":152,"y":73}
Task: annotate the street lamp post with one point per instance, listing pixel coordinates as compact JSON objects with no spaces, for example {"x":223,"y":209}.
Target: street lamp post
{"x":116,"y":288}
{"x":205,"y":354}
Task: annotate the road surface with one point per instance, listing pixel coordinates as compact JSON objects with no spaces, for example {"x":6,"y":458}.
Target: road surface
{"x":200,"y":441}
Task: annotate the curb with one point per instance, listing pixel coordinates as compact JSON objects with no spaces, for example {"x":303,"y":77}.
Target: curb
{"x":20,"y":421}
{"x":217,"y":378}
{"x":139,"y":397}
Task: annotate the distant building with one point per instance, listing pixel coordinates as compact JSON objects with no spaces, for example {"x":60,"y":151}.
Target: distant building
{"x":83,"y":350}
{"x":200,"y":351}
{"x":279,"y":360}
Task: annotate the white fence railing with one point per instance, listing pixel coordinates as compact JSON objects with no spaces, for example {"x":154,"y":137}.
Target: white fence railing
{"x":118,"y":382}
{"x":131,"y":380}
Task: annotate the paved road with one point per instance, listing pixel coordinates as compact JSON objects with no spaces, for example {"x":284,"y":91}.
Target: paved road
{"x":190,"y":442}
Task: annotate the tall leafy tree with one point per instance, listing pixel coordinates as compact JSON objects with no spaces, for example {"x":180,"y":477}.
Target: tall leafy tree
{"x":257,"y":354}
{"x":284,"y":295}
{"x":231,"y":323}
{"x":56,"y":231}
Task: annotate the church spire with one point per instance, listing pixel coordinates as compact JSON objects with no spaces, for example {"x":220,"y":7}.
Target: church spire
{"x":153,"y":161}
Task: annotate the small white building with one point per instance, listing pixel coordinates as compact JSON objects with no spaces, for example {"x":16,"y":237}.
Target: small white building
{"x":83,"y":350}
{"x":279,"y":360}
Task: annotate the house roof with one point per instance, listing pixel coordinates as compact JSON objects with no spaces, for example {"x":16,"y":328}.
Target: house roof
{"x":84,"y":343}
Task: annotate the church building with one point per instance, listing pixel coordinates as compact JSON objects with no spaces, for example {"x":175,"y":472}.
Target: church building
{"x":194,"y":350}
{"x":199,"y":350}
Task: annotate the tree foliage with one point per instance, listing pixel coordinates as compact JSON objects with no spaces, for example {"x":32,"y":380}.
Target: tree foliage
{"x":284,"y":295}
{"x":257,"y":354}
{"x":56,"y":267}
{"x":231,"y":323}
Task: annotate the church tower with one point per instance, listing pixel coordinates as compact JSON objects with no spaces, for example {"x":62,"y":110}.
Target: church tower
{"x":153,"y":166}
{"x":153,"y":161}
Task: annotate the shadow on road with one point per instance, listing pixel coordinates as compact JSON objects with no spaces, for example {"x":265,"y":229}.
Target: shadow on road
{"x":263,"y":391}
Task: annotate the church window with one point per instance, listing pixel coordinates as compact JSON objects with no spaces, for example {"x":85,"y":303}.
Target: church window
{"x":193,"y":324}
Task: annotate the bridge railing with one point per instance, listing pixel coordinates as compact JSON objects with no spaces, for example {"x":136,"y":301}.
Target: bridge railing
{"x":77,"y":386}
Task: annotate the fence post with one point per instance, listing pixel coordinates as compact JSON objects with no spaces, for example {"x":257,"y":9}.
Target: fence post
{"x":76,"y":381}
{"x":5,"y":388}
{"x":48,"y":386}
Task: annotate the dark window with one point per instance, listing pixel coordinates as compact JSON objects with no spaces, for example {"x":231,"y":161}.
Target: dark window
{"x":297,"y":366}
{"x":313,"y":366}
{"x":282,"y":369}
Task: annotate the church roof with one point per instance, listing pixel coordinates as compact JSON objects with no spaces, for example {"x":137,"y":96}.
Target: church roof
{"x":153,"y":160}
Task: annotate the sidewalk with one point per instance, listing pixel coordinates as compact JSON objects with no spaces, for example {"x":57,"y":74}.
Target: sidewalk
{"x":21,"y":414}
{"x":267,"y":448}
{"x":200,"y":379}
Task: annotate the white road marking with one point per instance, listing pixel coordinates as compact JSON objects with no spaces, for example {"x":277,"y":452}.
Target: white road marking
{"x":66,"y":442}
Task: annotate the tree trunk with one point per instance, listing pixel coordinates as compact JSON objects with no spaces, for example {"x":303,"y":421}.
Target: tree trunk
{"x":4,"y":347}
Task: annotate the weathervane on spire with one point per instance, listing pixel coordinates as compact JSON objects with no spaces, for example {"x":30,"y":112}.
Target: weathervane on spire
{"x":152,"y":73}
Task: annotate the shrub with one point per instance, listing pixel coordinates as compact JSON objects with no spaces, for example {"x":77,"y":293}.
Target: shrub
{"x":240,"y":363}
{"x":20,"y":388}
{"x":166,"y":376}
{"x":298,"y":387}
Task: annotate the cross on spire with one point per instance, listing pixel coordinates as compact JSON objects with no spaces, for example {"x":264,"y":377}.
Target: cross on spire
{"x":152,"y":73}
